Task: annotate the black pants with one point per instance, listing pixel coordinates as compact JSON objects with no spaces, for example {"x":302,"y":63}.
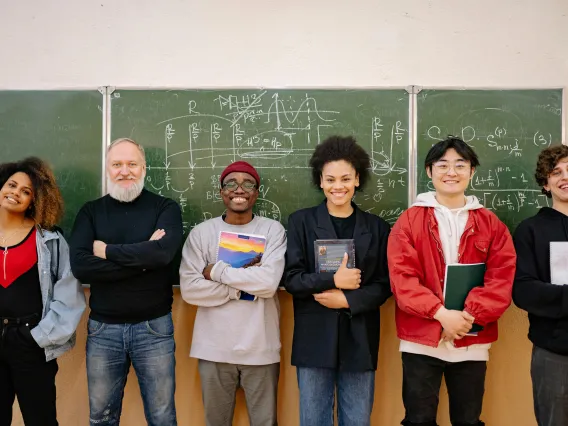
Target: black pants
{"x":25,"y":373}
{"x":422,"y":377}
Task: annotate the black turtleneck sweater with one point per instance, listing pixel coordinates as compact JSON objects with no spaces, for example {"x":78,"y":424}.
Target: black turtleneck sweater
{"x":546,"y":303}
{"x":134,"y":282}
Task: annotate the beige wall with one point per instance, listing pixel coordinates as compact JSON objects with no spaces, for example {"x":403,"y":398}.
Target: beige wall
{"x":271,"y":43}
{"x":507,"y":400}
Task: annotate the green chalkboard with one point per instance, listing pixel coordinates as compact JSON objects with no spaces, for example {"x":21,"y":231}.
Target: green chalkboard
{"x":190,"y":136}
{"x":507,"y":129}
{"x":62,"y":127}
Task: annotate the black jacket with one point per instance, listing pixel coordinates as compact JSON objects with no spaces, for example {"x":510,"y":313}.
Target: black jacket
{"x":546,"y":303}
{"x":329,"y":338}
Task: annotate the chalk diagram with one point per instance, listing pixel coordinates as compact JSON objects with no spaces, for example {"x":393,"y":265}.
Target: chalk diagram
{"x":277,"y":133}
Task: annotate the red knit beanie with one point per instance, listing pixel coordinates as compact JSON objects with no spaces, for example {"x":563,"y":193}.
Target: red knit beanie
{"x":243,"y":167}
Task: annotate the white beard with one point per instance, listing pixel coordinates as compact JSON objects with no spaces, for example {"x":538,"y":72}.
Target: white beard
{"x":125,"y":195}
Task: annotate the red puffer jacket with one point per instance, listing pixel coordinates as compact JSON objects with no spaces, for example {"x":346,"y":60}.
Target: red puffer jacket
{"x":417,"y":269}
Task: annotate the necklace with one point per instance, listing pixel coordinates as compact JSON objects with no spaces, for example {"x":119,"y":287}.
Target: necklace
{"x":6,"y":238}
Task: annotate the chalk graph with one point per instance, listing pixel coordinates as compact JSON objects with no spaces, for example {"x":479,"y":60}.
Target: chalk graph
{"x":195,"y":135}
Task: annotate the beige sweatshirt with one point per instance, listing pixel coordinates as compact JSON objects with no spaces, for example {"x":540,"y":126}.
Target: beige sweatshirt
{"x":228,"y":329}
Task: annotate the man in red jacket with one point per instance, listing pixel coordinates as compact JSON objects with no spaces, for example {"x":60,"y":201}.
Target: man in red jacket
{"x":446,"y":227}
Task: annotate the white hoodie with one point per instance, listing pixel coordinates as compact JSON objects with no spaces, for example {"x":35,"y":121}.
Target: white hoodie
{"x":451,"y":224}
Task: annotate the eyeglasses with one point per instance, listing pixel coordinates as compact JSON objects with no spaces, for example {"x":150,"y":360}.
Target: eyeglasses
{"x":459,"y":168}
{"x":232,"y":186}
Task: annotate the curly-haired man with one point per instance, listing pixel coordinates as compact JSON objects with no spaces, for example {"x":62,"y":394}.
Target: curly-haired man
{"x":539,"y":288}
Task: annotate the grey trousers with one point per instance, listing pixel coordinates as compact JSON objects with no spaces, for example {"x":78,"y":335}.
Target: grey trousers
{"x":549,"y":372}
{"x":219,"y":384}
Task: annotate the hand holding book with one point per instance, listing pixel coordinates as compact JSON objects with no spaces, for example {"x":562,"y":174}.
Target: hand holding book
{"x":241,"y":251}
{"x":338,"y":256}
{"x":347,"y":278}
{"x":460,"y":279}
{"x":456,"y":324}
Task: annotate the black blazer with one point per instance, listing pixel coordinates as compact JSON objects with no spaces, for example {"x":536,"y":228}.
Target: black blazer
{"x":329,"y":338}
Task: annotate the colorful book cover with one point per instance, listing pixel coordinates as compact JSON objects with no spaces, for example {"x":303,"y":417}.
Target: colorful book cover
{"x":240,"y":251}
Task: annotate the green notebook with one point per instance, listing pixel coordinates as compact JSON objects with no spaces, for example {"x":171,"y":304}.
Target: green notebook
{"x":460,"y":279}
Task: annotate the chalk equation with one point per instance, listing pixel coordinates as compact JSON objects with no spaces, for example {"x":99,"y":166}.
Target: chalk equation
{"x":277,"y":132}
{"x":507,"y":148}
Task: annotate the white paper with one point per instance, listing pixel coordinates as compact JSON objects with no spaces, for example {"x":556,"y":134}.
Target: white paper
{"x":559,"y":262}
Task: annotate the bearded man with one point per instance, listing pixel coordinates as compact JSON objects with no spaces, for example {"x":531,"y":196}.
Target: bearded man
{"x":124,"y":245}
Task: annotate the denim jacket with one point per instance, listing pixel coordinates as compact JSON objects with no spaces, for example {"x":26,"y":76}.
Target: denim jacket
{"x":62,"y":296}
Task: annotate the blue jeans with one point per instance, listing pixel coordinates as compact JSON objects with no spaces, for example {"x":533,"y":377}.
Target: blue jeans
{"x":149,"y":346}
{"x":355,"y":394}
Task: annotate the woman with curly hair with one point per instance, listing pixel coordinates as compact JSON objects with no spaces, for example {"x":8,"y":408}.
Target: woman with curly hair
{"x":336,"y":314}
{"x":541,"y":242}
{"x":41,"y":302}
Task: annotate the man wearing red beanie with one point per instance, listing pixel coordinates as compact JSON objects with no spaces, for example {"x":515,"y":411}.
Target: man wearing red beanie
{"x":231,"y":268}
{"x":243,"y":167}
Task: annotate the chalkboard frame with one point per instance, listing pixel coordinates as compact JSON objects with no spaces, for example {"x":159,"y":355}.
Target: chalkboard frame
{"x":413,"y":113}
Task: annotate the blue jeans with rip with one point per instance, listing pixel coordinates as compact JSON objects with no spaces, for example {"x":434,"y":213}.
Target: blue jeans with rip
{"x":355,"y":394}
{"x":149,"y":346}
